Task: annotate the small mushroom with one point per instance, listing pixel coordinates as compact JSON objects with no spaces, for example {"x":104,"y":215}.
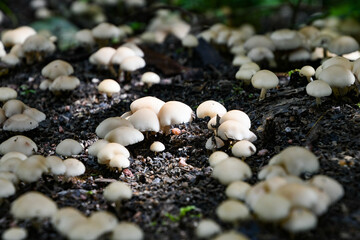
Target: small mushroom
{"x":264,"y":79}
{"x":308,"y":72}
{"x":243,"y":149}
{"x":150,"y":78}
{"x":231,"y":169}
{"x":127,"y":230}
{"x":318,"y":89}
{"x":232,"y":211}
{"x":109,"y":87}
{"x":68,"y":147}
{"x":117,"y":192}
{"x":14,"y":233}
{"x":207,"y":228}
{"x":73,"y":168}
{"x":157,"y":147}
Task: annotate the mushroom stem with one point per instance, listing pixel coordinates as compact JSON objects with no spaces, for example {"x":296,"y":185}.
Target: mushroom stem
{"x":112,"y":70}
{"x":102,"y":42}
{"x":336,"y":92}
{"x":118,"y":205}
{"x":262,"y":94}
{"x":39,"y":56}
{"x":127,"y":77}
{"x":318,"y":101}
{"x":309,"y":78}
{"x":190,"y":52}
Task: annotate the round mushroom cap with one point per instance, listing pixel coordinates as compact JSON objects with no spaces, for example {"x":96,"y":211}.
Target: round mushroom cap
{"x":157,"y":146}
{"x":300,"y":54}
{"x":337,"y":76}
{"x":94,"y":149}
{"x":232,"y":129}
{"x":190,"y":41}
{"x":55,"y":165}
{"x":296,"y":160}
{"x":239,"y":60}
{"x":259,"y":54}
{"x":231,"y":169}
{"x":337,"y":61}
{"x":147,"y":102}
{"x":214,"y":143}
{"x":121,"y":54}
{"x":41,"y":206}
{"x":264,"y":79}
{"x":299,"y":220}
{"x":85,"y":230}
{"x":31,"y":169}
{"x":207,"y":228}
{"x":271,"y":207}
{"x":119,"y":161}
{"x":243,"y":148}
{"x":124,"y":136}
{"x":238,"y":116}
{"x":67,"y":218}
{"x":102,"y":57}
{"x":117,"y":191}
{"x":150,"y":78}
{"x":259,"y":41}
{"x":318,"y":88}
{"x":109,"y":151}
{"x":10,"y":59}
{"x":20,"y":123}
{"x":174,"y":112}
{"x":106,"y":220}
{"x":73,"y":167}
{"x":64,"y":83}
{"x":286,"y":39}
{"x":84,"y":37}
{"x":145,"y":119}
{"x":109,"y":124}
{"x":68,"y":147}
{"x":13,"y":106}
{"x":135,"y":48}
{"x":329,"y":185}
{"x":299,"y":194}
{"x":250,"y":65}
{"x":210,"y":108}
{"x":20,"y":144}
{"x":7,"y":188}
{"x":9,"y":155}
{"x":38,"y":43}
{"x":343,"y":45}
{"x":17,"y":50}
{"x":270,"y":171}
{"x":17,"y":35}
{"x":307,"y":71}
{"x":10,"y":165}
{"x":232,"y":211}
{"x":14,"y":233}
{"x":56,"y":69}
{"x":105,"y":31}
{"x":127,"y":231}
{"x":217,"y":157}
{"x":231,"y":235}
{"x":133,"y":63}
{"x":7,"y":93}
{"x":35,"y":114}
{"x":237,"y":190}
{"x":10,"y":176}
{"x":245,"y":74}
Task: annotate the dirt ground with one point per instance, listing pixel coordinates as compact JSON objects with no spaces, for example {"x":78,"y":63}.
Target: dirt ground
{"x":161,"y":184}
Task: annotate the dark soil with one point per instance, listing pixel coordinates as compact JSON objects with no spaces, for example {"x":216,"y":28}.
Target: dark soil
{"x":161,"y":186}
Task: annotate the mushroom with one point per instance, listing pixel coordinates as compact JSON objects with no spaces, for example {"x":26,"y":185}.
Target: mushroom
{"x":35,"y":114}
{"x":245,"y":75}
{"x":31,"y":169}
{"x":150,"y":78}
{"x":134,"y":47}
{"x":68,"y":147}
{"x":96,"y":147}
{"x":20,"y":144}
{"x":41,"y":206}
{"x":37,"y":47}
{"x":232,"y":129}
{"x":7,"y":93}
{"x":338,"y":77}
{"x":73,"y":168}
{"x":237,"y":190}
{"x":157,"y":147}
{"x":56,"y":69}
{"x":117,"y":192}
{"x":299,"y":220}
{"x":232,"y":211}
{"x":7,"y":189}
{"x":119,"y":161}
{"x":127,"y":230}
{"x":109,"y":87}
{"x":118,"y":57}
{"x":67,"y":218}
{"x":14,"y":233}
{"x":307,"y":71}
{"x":190,"y":42}
{"x":210,"y":108}
{"x":233,"y":235}
{"x":239,"y":60}
{"x":264,"y":79}
{"x":318,"y":89}
{"x":231,"y":169}
{"x":214,"y":143}
{"x":329,"y":185}
{"x":343,"y":45}
{"x":11,"y":60}
{"x":64,"y":83}
{"x":238,"y":116}
{"x":147,"y":102}
{"x":286,"y":39}
{"x":104,"y":32}
{"x":270,"y":171}
{"x":17,"y":35}
{"x":243,"y":149}
{"x":271,"y":207}
{"x":174,"y":112}
{"x":207,"y":228}
{"x":85,"y":38}
{"x":217,"y":157}
{"x":13,"y":106}
{"x":109,"y":124}
{"x":145,"y":120}
{"x":9,"y":176}
{"x":105,"y":220}
{"x":102,"y":57}
{"x":109,"y":151}
{"x":85,"y":230}
{"x":131,"y":64}
{"x":258,"y":41}
{"x":55,"y":165}
{"x":124,"y":136}
{"x":20,"y":123}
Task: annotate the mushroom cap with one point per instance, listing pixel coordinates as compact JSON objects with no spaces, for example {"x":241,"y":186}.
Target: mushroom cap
{"x":127,"y":231}
{"x":286,"y":39}
{"x":38,"y":43}
{"x":56,"y":69}
{"x":157,"y":146}
{"x":243,"y":148}
{"x":9,"y":155}
{"x":231,"y":169}
{"x":299,"y":195}
{"x":55,"y":165}
{"x":68,"y":147}
{"x":31,"y":169}
{"x":338,"y":60}
{"x":10,"y":59}
{"x":10,"y":165}
{"x":94,"y":149}
{"x":232,"y":129}
{"x":117,"y":191}
{"x":7,"y":188}
{"x":217,"y":157}
{"x":17,"y":35}
{"x":318,"y":88}
{"x":343,"y":45}
{"x":174,"y":112}
{"x":14,"y":233}
{"x":210,"y":108}
{"x":35,"y":114}
{"x":264,"y":79}
{"x":299,"y":220}
{"x":119,"y":161}
{"x":102,"y":57}
{"x":85,"y":37}
{"x":237,"y":190}
{"x":64,"y":83}
{"x":147,"y":102}
{"x":10,"y":176}
{"x":109,"y":124}
{"x":20,"y":123}
{"x":329,"y":185}
{"x":132,"y":63}
{"x":271,"y":207}
{"x":190,"y":41}
{"x":231,"y":235}
{"x":20,"y":144}
{"x":145,"y":119}
{"x":238,"y":116}
{"x":337,"y":76}
{"x":300,"y":54}
{"x":232,"y":211}
{"x":207,"y":228}
{"x":296,"y":160}
{"x":67,"y":218}
{"x":109,"y":151}
{"x":239,"y":60}
{"x":73,"y":167}
{"x":270,"y":171}
{"x":307,"y":71}
{"x":124,"y":135}
{"x":41,"y":206}
{"x":259,"y":41}
{"x":85,"y":230}
{"x":150,"y":77}
{"x":121,"y":54}
{"x":105,"y":31}
{"x":106,"y":220}
{"x":245,"y":74}
{"x":135,"y":48}
{"x":250,"y":65}
{"x":13,"y":106}
{"x":17,"y":50}
{"x":259,"y":54}
{"x":214,"y":143}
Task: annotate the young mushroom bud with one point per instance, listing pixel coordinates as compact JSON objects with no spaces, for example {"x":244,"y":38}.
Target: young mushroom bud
{"x":308,"y":72}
